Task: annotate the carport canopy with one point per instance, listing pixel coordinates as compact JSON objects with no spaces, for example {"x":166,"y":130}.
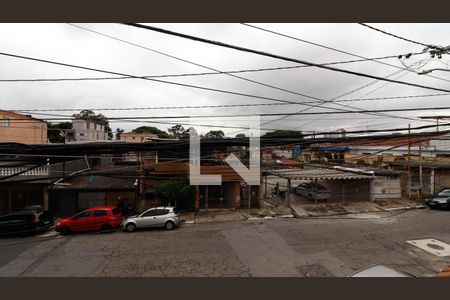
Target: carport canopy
{"x":316,"y":174}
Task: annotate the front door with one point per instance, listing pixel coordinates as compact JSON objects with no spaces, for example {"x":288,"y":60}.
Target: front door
{"x":149,"y":218}
{"x":98,"y":218}
{"x":80,"y":222}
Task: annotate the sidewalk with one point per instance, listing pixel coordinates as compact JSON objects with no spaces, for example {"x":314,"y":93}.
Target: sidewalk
{"x":226,"y":215}
{"x":329,"y":209}
{"x":274,"y":210}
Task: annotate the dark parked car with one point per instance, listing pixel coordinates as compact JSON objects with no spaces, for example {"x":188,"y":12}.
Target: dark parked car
{"x":439,"y":200}
{"x":26,"y":221}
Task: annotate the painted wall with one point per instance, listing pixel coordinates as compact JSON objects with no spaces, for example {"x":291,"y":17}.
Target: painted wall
{"x":31,"y":131}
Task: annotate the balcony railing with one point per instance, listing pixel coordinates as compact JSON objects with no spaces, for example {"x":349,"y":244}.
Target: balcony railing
{"x":39,"y":171}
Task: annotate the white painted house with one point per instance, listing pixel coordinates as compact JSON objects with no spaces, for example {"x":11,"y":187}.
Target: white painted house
{"x":88,"y":131}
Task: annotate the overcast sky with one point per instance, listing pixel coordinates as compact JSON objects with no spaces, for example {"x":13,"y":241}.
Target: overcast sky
{"x":68,"y":44}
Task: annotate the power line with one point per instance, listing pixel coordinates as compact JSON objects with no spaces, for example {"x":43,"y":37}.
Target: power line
{"x":273,"y":56}
{"x":335,"y":99}
{"x":393,"y":97}
{"x":196,"y":64}
{"x":338,"y":50}
{"x":164,"y":81}
{"x":368,"y":93}
{"x":209,"y":68}
{"x":153,"y":108}
{"x":401,"y":38}
{"x":183,"y":74}
{"x":267,"y":54}
{"x":225,"y":105}
{"x":140,"y":77}
{"x":249,"y":115}
{"x":116,"y":73}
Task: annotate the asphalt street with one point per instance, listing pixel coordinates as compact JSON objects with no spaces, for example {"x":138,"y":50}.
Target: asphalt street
{"x":332,"y":246}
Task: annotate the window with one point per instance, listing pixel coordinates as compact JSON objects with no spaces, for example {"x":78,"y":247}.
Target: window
{"x":95,"y":126}
{"x":5,"y":122}
{"x":163,"y":212}
{"x":153,"y":212}
{"x":99,"y":213}
{"x":83,"y":215}
{"x":444,"y":193}
{"x":81,"y":134}
{"x":88,"y":125}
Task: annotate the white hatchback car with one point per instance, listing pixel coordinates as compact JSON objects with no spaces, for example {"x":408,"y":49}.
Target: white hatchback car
{"x":162,"y":216}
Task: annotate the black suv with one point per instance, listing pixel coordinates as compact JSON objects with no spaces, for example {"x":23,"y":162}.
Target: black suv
{"x":26,"y":221}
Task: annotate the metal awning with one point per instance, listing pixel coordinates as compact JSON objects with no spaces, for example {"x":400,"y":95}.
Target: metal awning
{"x":316,"y":174}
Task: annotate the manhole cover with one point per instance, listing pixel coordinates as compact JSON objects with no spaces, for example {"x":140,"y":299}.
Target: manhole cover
{"x":432,"y":246}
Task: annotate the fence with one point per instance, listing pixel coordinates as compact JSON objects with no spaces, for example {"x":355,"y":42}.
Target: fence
{"x":39,"y":171}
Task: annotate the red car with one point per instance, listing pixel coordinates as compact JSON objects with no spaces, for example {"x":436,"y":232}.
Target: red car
{"x":92,"y":219}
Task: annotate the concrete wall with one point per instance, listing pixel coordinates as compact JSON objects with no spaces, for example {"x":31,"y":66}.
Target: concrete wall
{"x":31,"y":131}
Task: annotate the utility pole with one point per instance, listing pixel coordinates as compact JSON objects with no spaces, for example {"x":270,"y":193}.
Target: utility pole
{"x":249,"y":196}
{"x":409,"y":161}
{"x":420,"y":172}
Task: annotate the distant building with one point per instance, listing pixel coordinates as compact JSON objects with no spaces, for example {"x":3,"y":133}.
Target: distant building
{"x":84,"y":130}
{"x":134,"y":137}
{"x":19,"y":128}
{"x":340,"y":133}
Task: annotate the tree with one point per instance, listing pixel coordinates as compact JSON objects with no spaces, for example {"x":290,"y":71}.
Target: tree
{"x":89,"y":115}
{"x":178,"y":131}
{"x":56,"y":132}
{"x":118,"y":133}
{"x":240,"y":135}
{"x":151,"y":129}
{"x":175,"y":192}
{"x":215,"y":134}
{"x":284,"y":133}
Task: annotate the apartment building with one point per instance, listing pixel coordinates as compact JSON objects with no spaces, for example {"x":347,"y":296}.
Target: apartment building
{"x":20,"y":128}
